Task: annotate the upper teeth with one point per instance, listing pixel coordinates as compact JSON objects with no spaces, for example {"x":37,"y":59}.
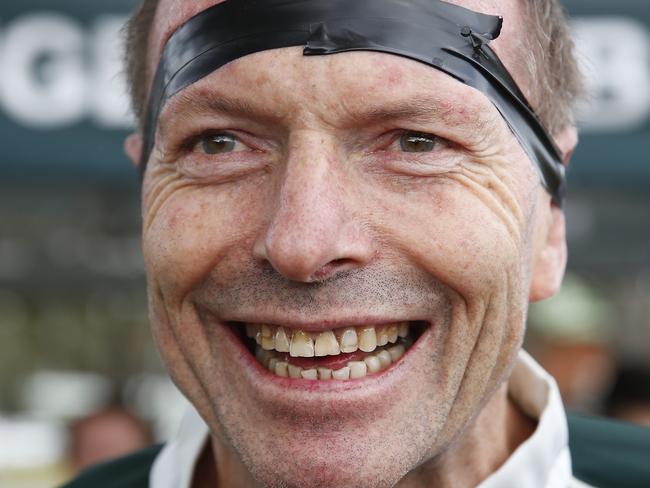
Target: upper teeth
{"x":300,"y":343}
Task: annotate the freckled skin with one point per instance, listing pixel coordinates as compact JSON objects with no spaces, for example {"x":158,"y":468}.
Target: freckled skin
{"x":313,"y":221}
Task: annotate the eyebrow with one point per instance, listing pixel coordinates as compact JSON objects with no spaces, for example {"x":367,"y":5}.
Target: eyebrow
{"x":421,"y":108}
{"x":187,"y":104}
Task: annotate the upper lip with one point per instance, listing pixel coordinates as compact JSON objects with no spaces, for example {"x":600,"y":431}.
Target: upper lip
{"x":322,"y":324}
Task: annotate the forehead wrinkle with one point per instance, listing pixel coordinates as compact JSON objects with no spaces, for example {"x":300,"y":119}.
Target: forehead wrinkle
{"x":459,"y":110}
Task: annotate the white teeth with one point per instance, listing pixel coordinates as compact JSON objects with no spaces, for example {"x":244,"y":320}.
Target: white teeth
{"x":348,"y":340}
{"x":403,"y":329}
{"x":341,"y":374}
{"x":272,"y":363}
{"x":367,"y":339}
{"x":281,"y":369}
{"x":324,"y":374}
{"x":302,"y":345}
{"x":385,"y":358}
{"x":382,"y":336}
{"x":294,"y":371}
{"x":373,"y":364}
{"x":267,"y":338}
{"x":309,"y":374}
{"x":396,"y":352}
{"x":326,"y":344}
{"x":281,"y":340}
{"x":358,"y":369}
{"x":392,"y":333}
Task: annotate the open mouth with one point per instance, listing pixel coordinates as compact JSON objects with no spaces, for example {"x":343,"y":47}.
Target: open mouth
{"x":344,"y":353}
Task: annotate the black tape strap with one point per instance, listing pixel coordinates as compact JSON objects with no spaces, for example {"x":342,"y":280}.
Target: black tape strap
{"x":449,"y":38}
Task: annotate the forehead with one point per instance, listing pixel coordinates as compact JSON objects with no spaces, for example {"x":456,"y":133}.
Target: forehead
{"x":171,"y":14}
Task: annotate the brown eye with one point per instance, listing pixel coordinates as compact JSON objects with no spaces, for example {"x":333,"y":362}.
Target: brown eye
{"x":417,"y":143}
{"x":219,"y":144}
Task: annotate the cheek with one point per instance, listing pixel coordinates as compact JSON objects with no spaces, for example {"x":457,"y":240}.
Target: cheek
{"x":455,"y":236}
{"x":189,"y":234}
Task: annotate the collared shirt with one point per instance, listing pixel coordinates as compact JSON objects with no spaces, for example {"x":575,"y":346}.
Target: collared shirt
{"x":542,"y":461}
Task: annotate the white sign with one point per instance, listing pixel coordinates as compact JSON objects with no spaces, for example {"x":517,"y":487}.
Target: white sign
{"x":614,"y":53}
{"x":54,"y":73}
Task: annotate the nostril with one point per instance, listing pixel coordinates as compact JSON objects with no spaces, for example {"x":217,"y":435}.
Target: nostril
{"x":331,"y":268}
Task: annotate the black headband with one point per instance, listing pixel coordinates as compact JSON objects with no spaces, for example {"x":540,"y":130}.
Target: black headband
{"x":449,"y":38}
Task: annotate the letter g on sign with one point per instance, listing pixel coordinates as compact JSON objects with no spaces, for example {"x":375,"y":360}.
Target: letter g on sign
{"x":43,"y":79}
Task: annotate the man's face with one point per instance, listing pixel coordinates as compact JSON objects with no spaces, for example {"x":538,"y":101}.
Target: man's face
{"x":323,"y":193}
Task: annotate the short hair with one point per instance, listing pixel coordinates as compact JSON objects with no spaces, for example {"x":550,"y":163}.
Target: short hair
{"x":550,"y":65}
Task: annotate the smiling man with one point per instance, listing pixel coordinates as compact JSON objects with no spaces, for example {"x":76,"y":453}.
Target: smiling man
{"x":341,"y":249}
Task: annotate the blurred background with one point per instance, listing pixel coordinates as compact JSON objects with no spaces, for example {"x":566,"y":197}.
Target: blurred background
{"x":79,"y":378}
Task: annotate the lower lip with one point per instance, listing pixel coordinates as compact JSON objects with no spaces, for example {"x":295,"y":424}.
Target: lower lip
{"x":263,"y":375}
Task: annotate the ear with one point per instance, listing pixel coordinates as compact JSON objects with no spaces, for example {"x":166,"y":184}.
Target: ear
{"x":550,"y":258}
{"x":566,"y":141}
{"x":549,"y":261}
{"x":133,"y":148}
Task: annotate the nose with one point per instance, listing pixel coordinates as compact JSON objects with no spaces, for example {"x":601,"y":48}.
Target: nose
{"x":316,"y":226}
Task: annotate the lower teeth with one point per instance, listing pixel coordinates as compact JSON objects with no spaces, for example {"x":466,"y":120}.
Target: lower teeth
{"x":376,"y":362}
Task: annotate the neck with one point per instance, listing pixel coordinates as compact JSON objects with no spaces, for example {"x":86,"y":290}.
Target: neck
{"x":480,"y":450}
{"x":231,"y":473}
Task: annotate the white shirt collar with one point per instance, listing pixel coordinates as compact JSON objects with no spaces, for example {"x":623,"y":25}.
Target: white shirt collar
{"x":542,"y":461}
{"x":174,"y":465}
